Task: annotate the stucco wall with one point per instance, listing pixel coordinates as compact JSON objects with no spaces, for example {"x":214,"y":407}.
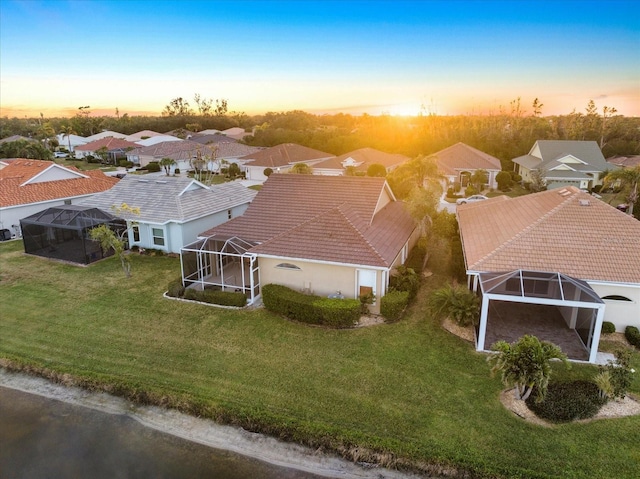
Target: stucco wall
{"x":322,"y":279}
{"x":620,"y":313}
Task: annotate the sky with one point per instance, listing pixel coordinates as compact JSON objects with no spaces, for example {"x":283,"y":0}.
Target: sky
{"x":396,"y":57}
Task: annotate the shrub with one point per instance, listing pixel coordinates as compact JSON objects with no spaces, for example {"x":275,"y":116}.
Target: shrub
{"x":608,"y":327}
{"x":415,"y":260}
{"x":619,"y":373}
{"x":268,"y":172}
{"x":596,"y":189}
{"x":504,"y":180}
{"x":459,"y":303}
{"x":176,"y":171}
{"x":569,"y":401}
{"x":405,"y":279}
{"x":393,"y":304}
{"x":175,"y":288}
{"x":633,"y":335}
{"x":337,"y":313}
{"x":471,"y":190}
{"x":153,"y":167}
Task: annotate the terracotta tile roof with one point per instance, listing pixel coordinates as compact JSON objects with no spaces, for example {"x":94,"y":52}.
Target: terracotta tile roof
{"x":561,"y":230}
{"x":366,"y":156}
{"x":625,"y":161}
{"x":283,"y":155}
{"x":110,"y":143}
{"x":322,"y":218}
{"x":14,"y":191}
{"x":178,"y":150}
{"x":460,"y":157}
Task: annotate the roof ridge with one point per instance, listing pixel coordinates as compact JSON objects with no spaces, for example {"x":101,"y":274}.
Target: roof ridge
{"x":366,"y":240}
{"x":530,"y":227}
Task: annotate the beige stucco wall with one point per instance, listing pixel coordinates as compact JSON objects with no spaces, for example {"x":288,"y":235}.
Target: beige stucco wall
{"x":620,"y":313}
{"x":322,"y":279}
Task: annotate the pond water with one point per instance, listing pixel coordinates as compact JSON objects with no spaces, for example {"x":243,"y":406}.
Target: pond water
{"x":47,"y":438}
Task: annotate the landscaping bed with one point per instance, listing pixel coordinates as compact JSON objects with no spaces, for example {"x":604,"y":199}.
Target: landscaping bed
{"x":406,"y":394}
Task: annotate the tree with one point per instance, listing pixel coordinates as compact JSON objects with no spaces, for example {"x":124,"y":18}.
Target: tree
{"x":377,"y":170}
{"x":301,"y":169}
{"x":537,"y":108}
{"x":479,"y":178}
{"x":504,"y":180}
{"x":422,"y":205}
{"x":67,"y":131}
{"x":177,"y":107}
{"x":200,"y":167}
{"x":525,"y":364}
{"x":167,"y":163}
{"x":234,"y":171}
{"x":109,"y":240}
{"x":628,"y":177}
{"x":538,"y":180}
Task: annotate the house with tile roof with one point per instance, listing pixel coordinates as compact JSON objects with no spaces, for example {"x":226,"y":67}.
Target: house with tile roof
{"x":29,"y":186}
{"x":459,"y":162}
{"x":71,"y":141}
{"x":280,"y":159}
{"x":629,"y":161}
{"x":182,"y":152}
{"x":115,"y":148}
{"x":360,"y":160}
{"x":563,"y":251}
{"x":564,"y":163}
{"x":173,"y":210}
{"x":142,"y":135}
{"x":105,"y":134}
{"x":318,"y":234}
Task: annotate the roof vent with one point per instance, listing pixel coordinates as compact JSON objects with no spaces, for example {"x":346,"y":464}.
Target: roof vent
{"x":584,"y":202}
{"x":143,"y":181}
{"x":163,"y":182}
{"x":564,"y":192}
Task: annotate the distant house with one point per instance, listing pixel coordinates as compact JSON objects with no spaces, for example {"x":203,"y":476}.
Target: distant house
{"x":320,"y":234}
{"x":226,"y":148}
{"x":360,"y":160}
{"x":115,"y":148}
{"x":11,"y":138}
{"x":459,"y":162}
{"x":142,"y":135}
{"x":70,"y":142}
{"x":154,"y":140}
{"x":173,"y":210}
{"x":564,"y":163}
{"x":182,"y":152}
{"x":105,"y":134}
{"x":235,"y":133}
{"x":280,"y":159}
{"x":630,"y":161}
{"x":565,"y":259}
{"x":29,"y":186}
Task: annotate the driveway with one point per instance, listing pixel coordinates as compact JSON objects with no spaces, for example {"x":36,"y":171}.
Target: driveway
{"x":445,"y":205}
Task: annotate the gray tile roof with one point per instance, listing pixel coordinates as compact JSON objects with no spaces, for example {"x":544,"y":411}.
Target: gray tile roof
{"x":164,"y":199}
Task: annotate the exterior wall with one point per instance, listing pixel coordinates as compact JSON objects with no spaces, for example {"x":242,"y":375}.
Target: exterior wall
{"x":581,"y":184}
{"x":255,"y":173}
{"x":11,"y":215}
{"x":620,"y":313}
{"x":316,"y":278}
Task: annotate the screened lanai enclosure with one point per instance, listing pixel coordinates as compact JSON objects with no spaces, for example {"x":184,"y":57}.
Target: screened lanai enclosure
{"x":221,"y":263}
{"x":62,"y":232}
{"x":551,"y":306}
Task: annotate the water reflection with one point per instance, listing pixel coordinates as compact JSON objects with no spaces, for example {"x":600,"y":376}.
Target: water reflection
{"x":46,"y":438}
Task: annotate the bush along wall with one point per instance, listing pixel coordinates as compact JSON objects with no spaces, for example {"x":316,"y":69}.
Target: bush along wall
{"x":633,"y":335}
{"x":393,"y":304}
{"x":335,"y":313}
{"x":175,"y":289}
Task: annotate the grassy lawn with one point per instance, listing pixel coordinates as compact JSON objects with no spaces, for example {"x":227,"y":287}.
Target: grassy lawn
{"x":82,"y":165}
{"x":410,"y":388}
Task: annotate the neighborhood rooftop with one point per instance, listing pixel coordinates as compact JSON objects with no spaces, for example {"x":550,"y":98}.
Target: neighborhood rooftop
{"x":562,"y":230}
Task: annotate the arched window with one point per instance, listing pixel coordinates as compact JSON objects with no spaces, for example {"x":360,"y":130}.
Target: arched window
{"x":617,"y":297}
{"x":288,"y":266}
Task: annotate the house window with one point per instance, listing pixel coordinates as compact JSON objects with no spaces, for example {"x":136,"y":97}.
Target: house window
{"x":158,"y":236}
{"x":288,"y":266}
{"x":229,"y":214}
{"x":616,"y":297}
{"x":67,"y":202}
{"x":136,"y":233}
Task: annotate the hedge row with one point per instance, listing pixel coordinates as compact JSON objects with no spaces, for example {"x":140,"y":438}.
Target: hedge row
{"x":175,"y":289}
{"x":608,"y":327}
{"x":393,"y":304}
{"x":633,"y":335}
{"x":336,"y":313}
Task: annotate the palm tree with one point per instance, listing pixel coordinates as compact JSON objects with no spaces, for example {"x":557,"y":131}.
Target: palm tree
{"x":626,"y":176}
{"x":67,"y":131}
{"x":167,"y":163}
{"x":525,"y":364}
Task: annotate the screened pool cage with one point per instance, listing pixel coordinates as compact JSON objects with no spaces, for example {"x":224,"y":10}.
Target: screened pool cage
{"x":553,"y":306}
{"x":221,"y":263}
{"x":62,"y":233}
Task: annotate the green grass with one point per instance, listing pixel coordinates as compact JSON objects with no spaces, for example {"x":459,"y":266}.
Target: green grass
{"x":408,"y":389}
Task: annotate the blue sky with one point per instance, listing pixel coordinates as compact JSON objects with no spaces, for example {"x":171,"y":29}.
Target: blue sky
{"x":354,"y":56}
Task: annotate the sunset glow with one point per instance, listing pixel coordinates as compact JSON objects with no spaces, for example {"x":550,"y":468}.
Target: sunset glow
{"x":399,"y":58}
